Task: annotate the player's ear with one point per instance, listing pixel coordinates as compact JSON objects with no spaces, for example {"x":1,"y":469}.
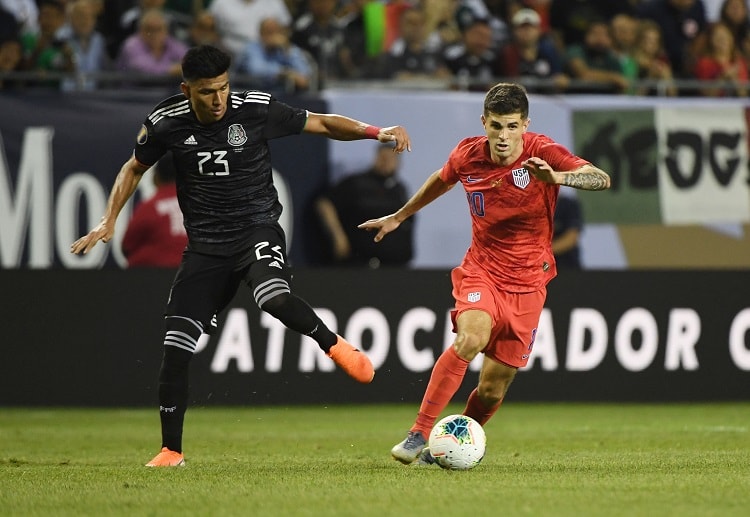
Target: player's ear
{"x":185,"y":89}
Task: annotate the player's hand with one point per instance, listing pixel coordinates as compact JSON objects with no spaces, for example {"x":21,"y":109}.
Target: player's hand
{"x":383,"y":225}
{"x":102,"y":232}
{"x":396,"y":134}
{"x":540,"y":169}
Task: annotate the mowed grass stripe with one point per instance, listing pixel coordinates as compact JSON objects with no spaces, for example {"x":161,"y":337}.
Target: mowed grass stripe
{"x":542,"y":459}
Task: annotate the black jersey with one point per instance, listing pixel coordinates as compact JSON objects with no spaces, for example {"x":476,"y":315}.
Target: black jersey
{"x":224,"y":179}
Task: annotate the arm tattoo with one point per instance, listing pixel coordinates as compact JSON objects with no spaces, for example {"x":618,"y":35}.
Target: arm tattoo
{"x":588,"y":178}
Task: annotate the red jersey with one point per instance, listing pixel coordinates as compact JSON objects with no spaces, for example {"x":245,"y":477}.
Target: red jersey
{"x":511,"y":211}
{"x":156,"y":236}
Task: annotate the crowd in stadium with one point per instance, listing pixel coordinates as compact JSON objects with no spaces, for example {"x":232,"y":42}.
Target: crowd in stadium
{"x":643,"y":47}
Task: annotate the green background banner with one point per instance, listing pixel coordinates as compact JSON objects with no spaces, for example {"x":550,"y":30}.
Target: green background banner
{"x":624,"y":144}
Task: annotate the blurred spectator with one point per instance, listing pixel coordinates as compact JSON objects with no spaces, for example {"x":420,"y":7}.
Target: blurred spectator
{"x":624,"y":30}
{"x":354,"y":59}
{"x":595,"y":62}
{"x":129,"y":20}
{"x":734,"y":14}
{"x":571,"y":19}
{"x":680,"y":21}
{"x":440,"y":19}
{"x":392,"y":21}
{"x":47,"y":51}
{"x":722,"y":62}
{"x":239,"y":20}
{"x":532,"y":55}
{"x":362,"y":196}
{"x":274,"y":62}
{"x":473,"y":62}
{"x":568,"y":224}
{"x":10,"y":60}
{"x":415,"y":54}
{"x":652,"y":61}
{"x":109,"y":24}
{"x":320,"y":33}
{"x":26,"y":13}
{"x":203,"y":31}
{"x":468,"y":11}
{"x":542,"y":8}
{"x":152,"y":50}
{"x":89,"y":46}
{"x":155,"y":236}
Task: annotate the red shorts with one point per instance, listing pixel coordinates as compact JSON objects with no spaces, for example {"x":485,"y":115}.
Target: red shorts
{"x":515,"y":316}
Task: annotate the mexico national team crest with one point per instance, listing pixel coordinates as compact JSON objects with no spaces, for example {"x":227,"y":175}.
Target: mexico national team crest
{"x":237,"y":135}
{"x":521,"y":177}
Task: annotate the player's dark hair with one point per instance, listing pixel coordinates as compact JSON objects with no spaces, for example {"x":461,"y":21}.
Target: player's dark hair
{"x":204,"y":62}
{"x":506,"y":99}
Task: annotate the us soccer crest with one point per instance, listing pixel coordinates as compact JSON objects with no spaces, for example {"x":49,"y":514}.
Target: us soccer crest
{"x":237,"y":135}
{"x":521,"y":178}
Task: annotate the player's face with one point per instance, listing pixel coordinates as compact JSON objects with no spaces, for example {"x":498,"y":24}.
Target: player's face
{"x":505,"y":135}
{"x":208,"y":97}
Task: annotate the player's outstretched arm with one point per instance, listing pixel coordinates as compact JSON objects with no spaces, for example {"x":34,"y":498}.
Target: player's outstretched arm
{"x":339,"y":127}
{"x":433,"y":188}
{"x":586,"y":177}
{"x":125,"y":184}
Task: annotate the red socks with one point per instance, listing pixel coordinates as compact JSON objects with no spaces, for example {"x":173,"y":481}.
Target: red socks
{"x":447,"y":376}
{"x":477,"y":410}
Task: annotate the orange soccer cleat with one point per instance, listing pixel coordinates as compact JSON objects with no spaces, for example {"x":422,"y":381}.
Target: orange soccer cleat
{"x":167,"y":458}
{"x":356,"y":364}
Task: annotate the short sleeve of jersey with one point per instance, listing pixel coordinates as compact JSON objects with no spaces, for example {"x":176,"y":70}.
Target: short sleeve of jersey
{"x":284,"y":120}
{"x":449,"y":172}
{"x":556,"y":155}
{"x":148,"y":149}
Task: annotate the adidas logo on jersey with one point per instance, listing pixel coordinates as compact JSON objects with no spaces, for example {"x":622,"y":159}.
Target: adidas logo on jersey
{"x":191,"y":140}
{"x":275,"y":263}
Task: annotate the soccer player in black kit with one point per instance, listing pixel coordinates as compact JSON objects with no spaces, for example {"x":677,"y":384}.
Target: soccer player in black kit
{"x":219,"y":141}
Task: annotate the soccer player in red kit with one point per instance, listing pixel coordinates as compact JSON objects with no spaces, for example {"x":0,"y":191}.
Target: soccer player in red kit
{"x":512,"y":178}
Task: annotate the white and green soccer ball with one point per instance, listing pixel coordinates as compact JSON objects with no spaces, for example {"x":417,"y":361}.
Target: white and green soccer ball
{"x":457,"y":442}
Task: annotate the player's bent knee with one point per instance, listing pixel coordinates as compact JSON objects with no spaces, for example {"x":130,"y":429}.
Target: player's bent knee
{"x":271,"y":294}
{"x":275,"y":304}
{"x":182,"y":333}
{"x":468,"y":344}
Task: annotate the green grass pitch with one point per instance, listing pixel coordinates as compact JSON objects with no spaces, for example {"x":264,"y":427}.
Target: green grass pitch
{"x":542,"y":459}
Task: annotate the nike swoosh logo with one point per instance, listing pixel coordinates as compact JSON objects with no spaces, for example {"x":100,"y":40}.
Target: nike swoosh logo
{"x":469,"y":179}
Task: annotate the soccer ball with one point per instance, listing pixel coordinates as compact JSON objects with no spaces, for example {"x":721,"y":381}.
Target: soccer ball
{"x":457,"y":442}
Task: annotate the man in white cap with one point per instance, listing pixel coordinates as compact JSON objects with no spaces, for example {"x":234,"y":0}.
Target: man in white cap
{"x":532,"y":56}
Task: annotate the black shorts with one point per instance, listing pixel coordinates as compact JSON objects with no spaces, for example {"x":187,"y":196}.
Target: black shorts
{"x":205,"y":284}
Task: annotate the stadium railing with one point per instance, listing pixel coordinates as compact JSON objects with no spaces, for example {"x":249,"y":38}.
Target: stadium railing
{"x":20,"y":81}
